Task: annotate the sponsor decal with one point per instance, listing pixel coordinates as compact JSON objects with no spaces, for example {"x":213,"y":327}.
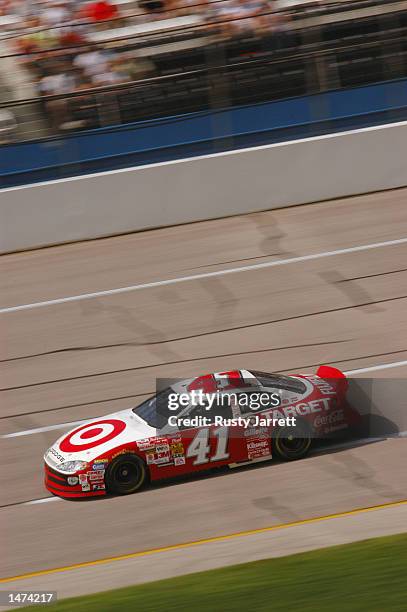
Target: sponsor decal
{"x":72,"y":480}
{"x":258,"y":432}
{"x":329,"y":419}
{"x":302,"y":409}
{"x":124,"y":451}
{"x":153,"y":443}
{"x":176,"y":439}
{"x":159,"y":452}
{"x":96,"y":475}
{"x":163,"y":448}
{"x":257,"y":444}
{"x":85,"y":486}
{"x":162,"y":459}
{"x":99,"y":487}
{"x":55,"y":453}
{"x":158,"y":440}
{"x":99,"y":466}
{"x":91,"y":435}
{"x":177,"y":448}
{"x":235,"y":411}
{"x":144,"y":444}
{"x":322,"y":385}
{"x":179,"y":460}
{"x":83,"y":478}
{"x":258,"y":448}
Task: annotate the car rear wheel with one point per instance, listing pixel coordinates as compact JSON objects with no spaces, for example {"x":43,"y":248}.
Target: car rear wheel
{"x":126,"y":474}
{"x":291,"y":443}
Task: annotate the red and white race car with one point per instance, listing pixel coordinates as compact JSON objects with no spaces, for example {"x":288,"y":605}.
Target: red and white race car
{"x":121,"y":452}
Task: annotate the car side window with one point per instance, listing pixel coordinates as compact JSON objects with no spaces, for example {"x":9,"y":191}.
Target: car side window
{"x":222,"y":409}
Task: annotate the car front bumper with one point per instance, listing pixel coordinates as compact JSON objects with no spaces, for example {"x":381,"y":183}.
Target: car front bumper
{"x":57,"y":484}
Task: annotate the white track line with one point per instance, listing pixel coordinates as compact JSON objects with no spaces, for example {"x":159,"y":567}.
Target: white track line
{"x":183,"y":279}
{"x":72,"y":424}
{"x":42,"y":500}
{"x":385,"y":366}
{"x":29,"y":432}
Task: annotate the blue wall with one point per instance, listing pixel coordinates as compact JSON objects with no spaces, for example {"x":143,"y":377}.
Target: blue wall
{"x":201,"y":133}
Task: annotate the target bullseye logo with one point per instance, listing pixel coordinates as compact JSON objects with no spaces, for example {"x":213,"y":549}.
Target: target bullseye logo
{"x":92,"y":434}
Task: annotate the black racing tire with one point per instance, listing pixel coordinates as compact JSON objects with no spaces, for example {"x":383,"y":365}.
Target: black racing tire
{"x":126,"y":474}
{"x":292,"y":443}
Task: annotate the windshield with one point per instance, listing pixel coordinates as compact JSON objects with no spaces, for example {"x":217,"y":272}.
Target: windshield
{"x":155,"y":410}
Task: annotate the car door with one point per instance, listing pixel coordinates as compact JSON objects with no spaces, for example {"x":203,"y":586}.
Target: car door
{"x":211,"y":445}
{"x":256,"y":439}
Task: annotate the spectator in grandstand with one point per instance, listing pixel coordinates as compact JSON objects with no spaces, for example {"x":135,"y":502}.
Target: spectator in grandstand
{"x":135,"y":67}
{"x":109,"y":76}
{"x":152,"y":6}
{"x":69,"y":37}
{"x":38,"y":38}
{"x":57,"y":83}
{"x":240,"y":16}
{"x":93,"y":61}
{"x":101,"y":11}
{"x":61,"y":58}
{"x":53,"y":13}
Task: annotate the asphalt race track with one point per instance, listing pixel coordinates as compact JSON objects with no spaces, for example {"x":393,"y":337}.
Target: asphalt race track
{"x":88,"y":356}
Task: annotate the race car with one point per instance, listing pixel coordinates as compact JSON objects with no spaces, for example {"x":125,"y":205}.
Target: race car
{"x":162,"y":438}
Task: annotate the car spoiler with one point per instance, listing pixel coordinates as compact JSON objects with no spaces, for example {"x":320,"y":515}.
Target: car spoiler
{"x":335,"y":377}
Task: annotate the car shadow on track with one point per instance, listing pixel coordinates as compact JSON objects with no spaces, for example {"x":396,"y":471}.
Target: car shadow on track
{"x":322,"y":447}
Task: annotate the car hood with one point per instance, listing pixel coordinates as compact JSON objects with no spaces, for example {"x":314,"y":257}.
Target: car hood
{"x":93,"y":438}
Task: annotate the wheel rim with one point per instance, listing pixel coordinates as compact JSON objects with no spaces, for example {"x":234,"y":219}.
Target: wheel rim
{"x":127,"y":475}
{"x":291,"y":445}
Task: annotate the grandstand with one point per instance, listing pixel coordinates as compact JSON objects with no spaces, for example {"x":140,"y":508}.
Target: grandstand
{"x":69,"y":66}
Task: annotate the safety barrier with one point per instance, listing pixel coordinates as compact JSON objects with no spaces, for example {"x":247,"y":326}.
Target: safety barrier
{"x":204,"y":187}
{"x":201,"y":133}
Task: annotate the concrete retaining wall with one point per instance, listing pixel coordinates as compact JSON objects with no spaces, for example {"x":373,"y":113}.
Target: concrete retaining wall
{"x":219,"y":185}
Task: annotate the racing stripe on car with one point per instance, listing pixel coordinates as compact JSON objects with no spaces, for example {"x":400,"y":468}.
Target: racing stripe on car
{"x":55,"y":475}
